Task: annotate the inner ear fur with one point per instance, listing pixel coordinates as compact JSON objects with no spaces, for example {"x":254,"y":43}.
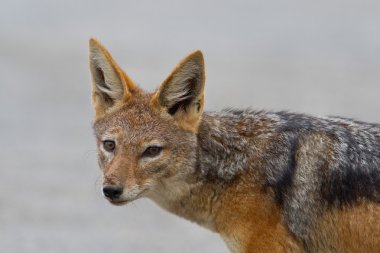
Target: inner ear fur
{"x":111,"y":86}
{"x":181,"y":95}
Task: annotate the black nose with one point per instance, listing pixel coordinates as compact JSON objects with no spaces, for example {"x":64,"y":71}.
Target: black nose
{"x":112,"y":191}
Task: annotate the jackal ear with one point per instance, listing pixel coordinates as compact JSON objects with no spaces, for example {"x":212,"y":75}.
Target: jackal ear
{"x":111,"y":86}
{"x":181,"y":95}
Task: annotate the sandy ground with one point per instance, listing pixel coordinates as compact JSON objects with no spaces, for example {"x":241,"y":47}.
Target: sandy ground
{"x":321,"y":58}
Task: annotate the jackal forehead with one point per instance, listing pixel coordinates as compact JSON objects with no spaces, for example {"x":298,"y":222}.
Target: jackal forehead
{"x":137,"y":122}
{"x":125,"y":125}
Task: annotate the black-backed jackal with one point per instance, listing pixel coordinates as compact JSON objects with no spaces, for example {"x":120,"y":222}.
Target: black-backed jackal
{"x":265,"y":181}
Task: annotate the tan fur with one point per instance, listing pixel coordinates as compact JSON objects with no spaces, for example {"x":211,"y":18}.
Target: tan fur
{"x":350,"y":230}
{"x":249,"y":221}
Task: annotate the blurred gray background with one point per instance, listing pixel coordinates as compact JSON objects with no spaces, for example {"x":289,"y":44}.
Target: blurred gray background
{"x":317,"y":57}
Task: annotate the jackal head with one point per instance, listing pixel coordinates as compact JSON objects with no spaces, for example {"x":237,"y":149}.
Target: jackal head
{"x":146,"y":141}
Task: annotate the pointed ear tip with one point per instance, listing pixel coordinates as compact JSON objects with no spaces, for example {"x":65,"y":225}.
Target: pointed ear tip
{"x":92,"y":41}
{"x":94,"y":44}
{"x":198,"y":55}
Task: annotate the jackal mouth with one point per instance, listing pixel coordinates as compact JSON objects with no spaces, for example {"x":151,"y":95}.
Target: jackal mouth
{"x":119,"y":202}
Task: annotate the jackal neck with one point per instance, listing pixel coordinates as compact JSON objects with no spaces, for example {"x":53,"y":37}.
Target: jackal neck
{"x":225,"y":194}
{"x":221,"y":155}
{"x":193,"y":201}
{"x":225,"y":152}
{"x":228,"y":142}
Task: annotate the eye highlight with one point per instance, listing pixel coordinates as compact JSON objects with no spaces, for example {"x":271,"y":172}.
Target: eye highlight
{"x":109,"y":145}
{"x":152,"y":151}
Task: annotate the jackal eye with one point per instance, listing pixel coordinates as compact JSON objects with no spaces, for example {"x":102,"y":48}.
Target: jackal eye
{"x":109,"y":145}
{"x":152,"y":151}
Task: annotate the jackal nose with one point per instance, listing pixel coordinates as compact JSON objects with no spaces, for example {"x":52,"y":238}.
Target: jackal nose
{"x":112,"y":191}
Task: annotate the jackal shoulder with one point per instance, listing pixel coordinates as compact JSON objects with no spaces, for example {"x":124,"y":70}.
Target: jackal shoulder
{"x":309,"y":163}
